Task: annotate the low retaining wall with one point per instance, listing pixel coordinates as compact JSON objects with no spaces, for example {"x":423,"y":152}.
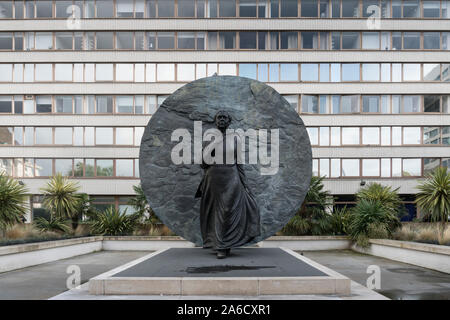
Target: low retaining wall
{"x":307,"y":243}
{"x":429,"y":256}
{"x":26,"y":255}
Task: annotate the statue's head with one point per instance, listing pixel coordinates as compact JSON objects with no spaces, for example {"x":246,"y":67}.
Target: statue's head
{"x":222,"y":119}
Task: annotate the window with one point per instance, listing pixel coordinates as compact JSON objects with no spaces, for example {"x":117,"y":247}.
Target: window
{"x":247,"y":8}
{"x":166,"y":72}
{"x":18,"y":104}
{"x":324,"y":166}
{"x":63,"y":72}
{"x":385,"y":136}
{"x":350,"y":104}
{"x":431,"y":9}
{"x":309,"y":8}
{"x":431,"y":135}
{"x":350,"y":167}
{"x":124,"y":72}
{"x":432,"y":103}
{"x":411,"y":135}
{"x":63,"y":104}
{"x":411,"y":72}
{"x":166,"y":40}
{"x":371,"y":40}
{"x":124,"y":104}
{"x":412,"y":167}
{"x":186,"y":40}
{"x":227,"y":8}
{"x":124,"y":136}
{"x":371,"y":104}
{"x":335,"y":168}
{"x":247,"y":70}
{"x":371,"y":8}
{"x":6,"y":41}
{"x":124,"y":167}
{"x":289,"y":72}
{"x":247,"y":40}
{"x":335,"y":136}
{"x":103,"y":136}
{"x":431,"y":40}
{"x":124,"y":40}
{"x":18,"y":136}
{"x":430,"y":164}
{"x":371,"y":167}
{"x":5,"y":104}
{"x":63,"y":41}
{"x":431,"y":72}
{"x":350,"y":40}
{"x":371,"y":72}
{"x":309,"y":72}
{"x":350,"y":72}
{"x":370,"y":136}
{"x":104,"y":72}
{"x":124,"y":8}
{"x":310,"y":104}
{"x":104,"y":168}
{"x":350,"y":135}
{"x":5,"y":72}
{"x":310,"y":40}
{"x":105,"y":40}
{"x":227,"y":69}
{"x":411,"y":40}
{"x":104,"y":104}
{"x":313,"y":135}
{"x":289,"y":8}
{"x":43,"y":9}
{"x":324,"y":72}
{"x":44,"y":167}
{"x":411,"y":8}
{"x":29,"y":136}
{"x":43,"y":135}
{"x":138,"y":133}
{"x":63,"y":9}
{"x":350,"y":8}
{"x":43,"y":72}
{"x":104,"y":9}
{"x":411,"y":104}
{"x":324,"y":136}
{"x":44,"y":41}
{"x":227,"y":40}
{"x":78,"y":136}
{"x":6,"y":135}
{"x":43,"y":104}
{"x":63,"y":136}
{"x":64,"y":167}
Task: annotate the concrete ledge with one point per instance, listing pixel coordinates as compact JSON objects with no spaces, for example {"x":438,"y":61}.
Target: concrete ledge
{"x":108,"y":284}
{"x":22,"y":256}
{"x":435,"y":257}
{"x":308,"y":243}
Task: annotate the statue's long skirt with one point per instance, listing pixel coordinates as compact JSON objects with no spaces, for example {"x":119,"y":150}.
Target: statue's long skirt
{"x":229,"y":215}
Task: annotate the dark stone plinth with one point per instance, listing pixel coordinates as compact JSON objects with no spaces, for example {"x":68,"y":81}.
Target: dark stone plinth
{"x":243,"y":262}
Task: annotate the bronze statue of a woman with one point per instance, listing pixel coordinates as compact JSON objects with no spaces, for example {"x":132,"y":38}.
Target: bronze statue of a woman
{"x":229,"y":215}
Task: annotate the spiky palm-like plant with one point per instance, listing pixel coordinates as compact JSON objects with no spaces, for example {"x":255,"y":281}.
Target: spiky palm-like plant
{"x":140,"y":204}
{"x":312,"y":217}
{"x":13,"y":202}
{"x":112,"y":222}
{"x":60,"y":197}
{"x":371,"y":219}
{"x":387,"y":196}
{"x":434,"y":197}
{"x":53,"y":225}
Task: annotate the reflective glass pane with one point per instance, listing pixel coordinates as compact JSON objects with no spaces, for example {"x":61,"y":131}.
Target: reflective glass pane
{"x":124,"y":167}
{"x":63,"y":136}
{"x":124,"y":136}
{"x":350,"y":167}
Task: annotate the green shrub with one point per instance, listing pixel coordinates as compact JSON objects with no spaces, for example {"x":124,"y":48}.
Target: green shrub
{"x":112,"y":222}
{"x":51,"y":225}
{"x":13,"y":202}
{"x":371,"y":219}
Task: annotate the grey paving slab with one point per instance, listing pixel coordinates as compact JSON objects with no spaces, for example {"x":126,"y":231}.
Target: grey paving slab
{"x":47,"y":280}
{"x":243,"y":262}
{"x":399,"y":281}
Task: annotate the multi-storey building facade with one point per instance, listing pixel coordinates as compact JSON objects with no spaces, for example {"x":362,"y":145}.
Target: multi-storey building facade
{"x":79,"y":81}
